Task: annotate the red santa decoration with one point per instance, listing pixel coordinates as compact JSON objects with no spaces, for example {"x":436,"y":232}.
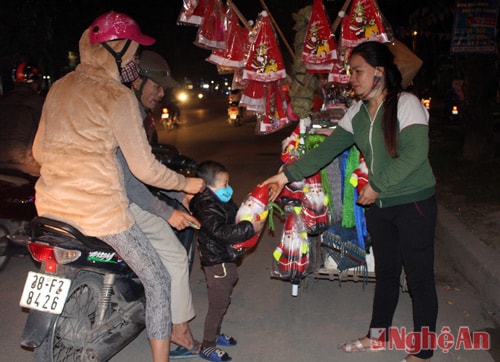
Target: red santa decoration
{"x":290,"y":147}
{"x":253,"y":208}
{"x":291,"y":255}
{"x":338,"y":72}
{"x":364,"y":22}
{"x":315,"y":202}
{"x":319,"y":44}
{"x":359,"y":177}
{"x":233,"y":56}
{"x":212,"y":31}
{"x":192,"y":12}
{"x":264,"y":63}
{"x":264,"y":70}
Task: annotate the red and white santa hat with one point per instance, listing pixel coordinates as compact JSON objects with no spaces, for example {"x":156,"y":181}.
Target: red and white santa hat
{"x":264,"y":61}
{"x":319,"y":44}
{"x":193,"y":12}
{"x":365,"y":22}
{"x":261,"y":194}
{"x":212,"y":31}
{"x":236,"y":45}
{"x":254,"y":96}
{"x":313,"y":180}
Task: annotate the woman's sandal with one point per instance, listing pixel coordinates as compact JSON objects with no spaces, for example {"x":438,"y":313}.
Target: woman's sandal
{"x":182,"y":352}
{"x":358,"y":346}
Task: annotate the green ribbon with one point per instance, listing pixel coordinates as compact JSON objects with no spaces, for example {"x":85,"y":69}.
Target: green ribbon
{"x":273,"y":206}
{"x":352,"y":164}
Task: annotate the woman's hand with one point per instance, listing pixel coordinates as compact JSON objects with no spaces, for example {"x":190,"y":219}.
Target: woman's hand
{"x":276,"y":184}
{"x":194,"y":185}
{"x":367,"y":196}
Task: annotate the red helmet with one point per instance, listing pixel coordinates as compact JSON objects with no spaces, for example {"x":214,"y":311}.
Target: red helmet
{"x":114,"y":26}
{"x":26,"y":73}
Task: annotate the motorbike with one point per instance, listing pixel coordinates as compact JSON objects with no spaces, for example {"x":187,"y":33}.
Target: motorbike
{"x":454,"y":111}
{"x":85,"y":303}
{"x":17,"y":202}
{"x":234,"y":111}
{"x":17,"y":208}
{"x":234,"y":114}
{"x":426,"y":102}
{"x":455,"y":99}
{"x":170,"y":117}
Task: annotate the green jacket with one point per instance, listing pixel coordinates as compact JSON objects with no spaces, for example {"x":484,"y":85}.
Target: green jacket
{"x":401,"y":180}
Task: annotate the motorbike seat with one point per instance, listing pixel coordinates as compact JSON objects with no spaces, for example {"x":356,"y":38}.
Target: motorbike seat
{"x":41,"y":223}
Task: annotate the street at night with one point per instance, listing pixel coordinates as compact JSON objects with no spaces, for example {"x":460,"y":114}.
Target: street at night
{"x":409,"y":92}
{"x":268,"y":322}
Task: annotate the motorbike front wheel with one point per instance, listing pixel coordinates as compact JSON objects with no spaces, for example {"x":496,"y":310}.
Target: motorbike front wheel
{"x":72,"y":329}
{"x":234,"y":122}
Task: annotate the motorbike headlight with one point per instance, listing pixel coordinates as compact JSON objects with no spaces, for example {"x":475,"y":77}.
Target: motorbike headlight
{"x":182,"y":96}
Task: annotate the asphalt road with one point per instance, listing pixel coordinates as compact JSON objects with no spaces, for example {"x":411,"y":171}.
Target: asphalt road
{"x":268,"y":322}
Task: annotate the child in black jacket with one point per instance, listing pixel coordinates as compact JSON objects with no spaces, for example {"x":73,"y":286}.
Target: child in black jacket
{"x":216,"y":212}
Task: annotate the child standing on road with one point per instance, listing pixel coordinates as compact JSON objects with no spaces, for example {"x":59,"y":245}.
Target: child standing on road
{"x":216,"y":212}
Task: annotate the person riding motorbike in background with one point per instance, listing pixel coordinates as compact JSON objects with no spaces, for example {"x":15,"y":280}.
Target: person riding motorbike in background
{"x":87,"y":115}
{"x":155,"y":217}
{"x":20,"y":111}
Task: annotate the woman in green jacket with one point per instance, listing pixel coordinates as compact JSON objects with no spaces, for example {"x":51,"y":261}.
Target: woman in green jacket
{"x":390,"y":127}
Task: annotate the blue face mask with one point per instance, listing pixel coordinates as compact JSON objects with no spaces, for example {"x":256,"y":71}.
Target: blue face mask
{"x":224,"y":194}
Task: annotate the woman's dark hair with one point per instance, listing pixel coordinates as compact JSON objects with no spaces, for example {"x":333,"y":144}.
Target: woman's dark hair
{"x":208,"y":170}
{"x":378,"y":55}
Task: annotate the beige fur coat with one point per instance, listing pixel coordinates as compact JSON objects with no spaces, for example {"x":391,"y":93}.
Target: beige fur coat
{"x":86,"y":116}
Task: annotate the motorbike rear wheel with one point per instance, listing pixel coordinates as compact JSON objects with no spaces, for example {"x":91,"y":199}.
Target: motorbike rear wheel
{"x":73,"y":328}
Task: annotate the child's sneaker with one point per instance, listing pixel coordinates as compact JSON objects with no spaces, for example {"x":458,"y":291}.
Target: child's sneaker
{"x":223,"y":340}
{"x":214,"y":354}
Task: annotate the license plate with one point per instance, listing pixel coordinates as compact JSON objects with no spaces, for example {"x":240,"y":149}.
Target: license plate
{"x":45,"y":293}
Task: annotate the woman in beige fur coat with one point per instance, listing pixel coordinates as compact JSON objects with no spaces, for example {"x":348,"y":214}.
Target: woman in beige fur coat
{"x":86,"y":116}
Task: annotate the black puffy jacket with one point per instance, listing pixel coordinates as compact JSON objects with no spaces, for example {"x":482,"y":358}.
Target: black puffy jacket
{"x":218,"y":228}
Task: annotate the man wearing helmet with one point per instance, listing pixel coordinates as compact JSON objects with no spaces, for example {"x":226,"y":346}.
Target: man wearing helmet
{"x":155,"y":217}
{"x":87,"y":115}
{"x":151,"y":79}
{"x":20,"y":111}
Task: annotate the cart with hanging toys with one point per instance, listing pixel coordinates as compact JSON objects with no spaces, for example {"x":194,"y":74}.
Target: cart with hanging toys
{"x":336,"y":249}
